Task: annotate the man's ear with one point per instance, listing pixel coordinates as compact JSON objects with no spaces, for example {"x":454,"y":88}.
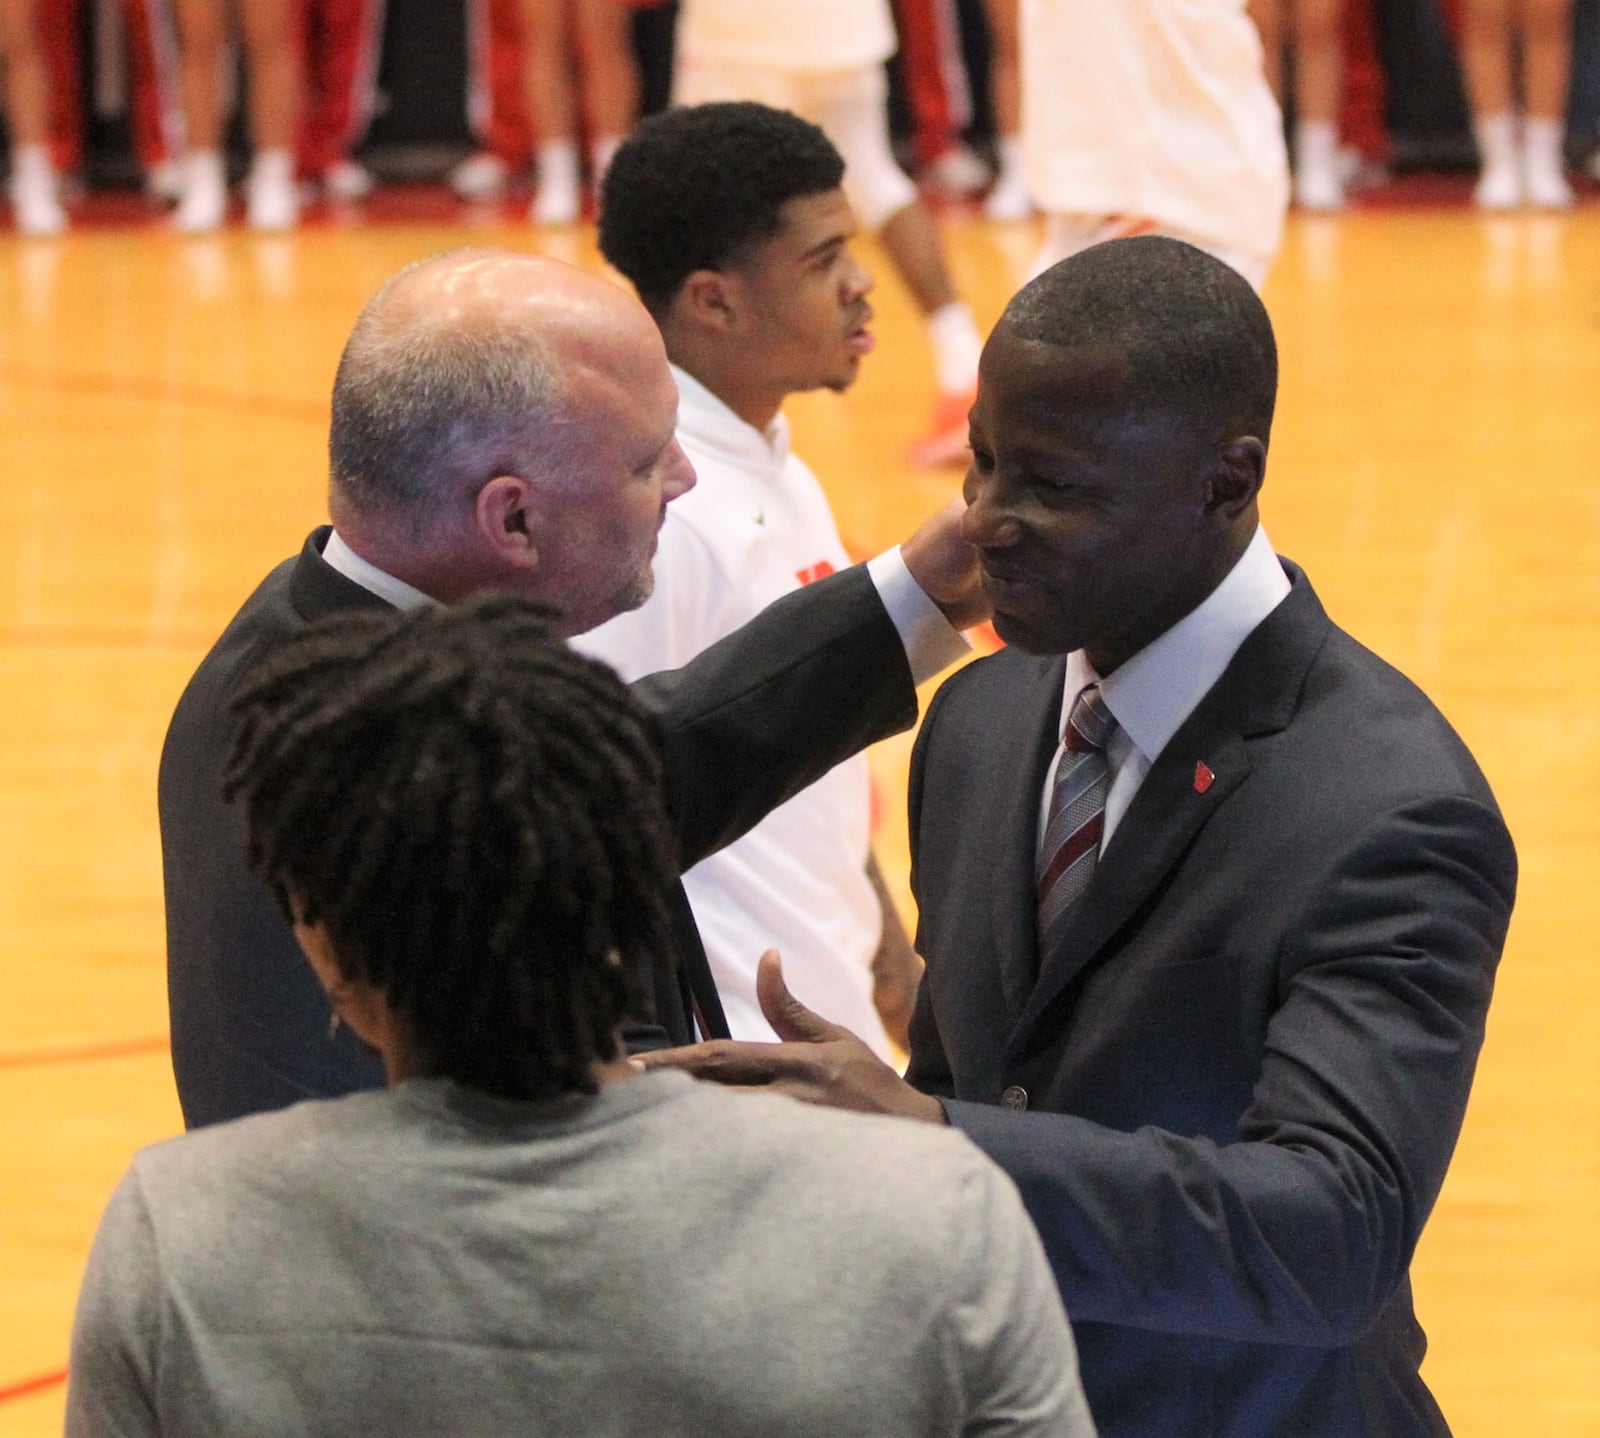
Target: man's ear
{"x":506,"y":515}
{"x":1235,"y":477}
{"x":357,"y":1004}
{"x":709,"y":299}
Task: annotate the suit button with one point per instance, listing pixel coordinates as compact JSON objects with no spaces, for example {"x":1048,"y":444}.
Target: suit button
{"x":1015,"y":1097}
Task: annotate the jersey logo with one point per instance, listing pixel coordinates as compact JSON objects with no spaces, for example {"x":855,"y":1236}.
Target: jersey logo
{"x":820,"y":570}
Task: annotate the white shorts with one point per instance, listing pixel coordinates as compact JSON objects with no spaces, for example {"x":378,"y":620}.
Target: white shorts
{"x":1065,"y":235}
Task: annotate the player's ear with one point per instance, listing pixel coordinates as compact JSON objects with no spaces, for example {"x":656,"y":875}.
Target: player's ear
{"x":709,"y":298}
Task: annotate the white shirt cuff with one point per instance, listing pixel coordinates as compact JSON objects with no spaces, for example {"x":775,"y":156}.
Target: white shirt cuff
{"x":931,"y":642}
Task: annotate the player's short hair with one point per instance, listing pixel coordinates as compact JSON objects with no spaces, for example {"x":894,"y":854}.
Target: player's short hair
{"x":696,"y":188}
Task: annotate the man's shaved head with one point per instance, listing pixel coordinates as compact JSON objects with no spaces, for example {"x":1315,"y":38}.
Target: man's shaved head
{"x":465,"y":365}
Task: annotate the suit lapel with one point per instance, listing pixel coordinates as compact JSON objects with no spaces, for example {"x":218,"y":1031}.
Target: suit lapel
{"x":1024,"y":744}
{"x":1205,"y":761}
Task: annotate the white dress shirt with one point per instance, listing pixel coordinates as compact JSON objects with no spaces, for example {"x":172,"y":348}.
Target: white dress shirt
{"x":1151,"y":694}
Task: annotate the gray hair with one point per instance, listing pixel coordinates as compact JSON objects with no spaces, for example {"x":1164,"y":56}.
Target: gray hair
{"x":426,"y":409}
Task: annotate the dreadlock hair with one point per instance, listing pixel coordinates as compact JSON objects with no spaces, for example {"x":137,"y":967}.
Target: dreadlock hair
{"x":1195,"y":337}
{"x":696,"y":188}
{"x":474,"y":813}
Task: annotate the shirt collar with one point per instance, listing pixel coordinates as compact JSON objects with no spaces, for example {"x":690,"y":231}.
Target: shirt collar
{"x":707,"y":420}
{"x":338,"y":555}
{"x":1152,"y":693}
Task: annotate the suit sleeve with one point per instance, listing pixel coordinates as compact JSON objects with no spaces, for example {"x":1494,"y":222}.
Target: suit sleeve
{"x":811,"y":680}
{"x":249,"y":1019}
{"x":1301,"y":1228}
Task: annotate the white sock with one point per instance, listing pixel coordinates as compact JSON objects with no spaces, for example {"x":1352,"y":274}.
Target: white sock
{"x":273,"y":167}
{"x":956,"y":347}
{"x":1009,"y":152}
{"x":558,"y":164}
{"x":1542,"y":141}
{"x":600,"y":154}
{"x":1317,"y":143}
{"x":32,"y":164}
{"x":1497,"y":140}
{"x":206,"y":166}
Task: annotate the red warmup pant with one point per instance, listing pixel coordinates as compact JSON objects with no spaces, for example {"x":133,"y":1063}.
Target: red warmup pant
{"x":345,"y":37}
{"x":497,"y":108}
{"x":344,"y":41}
{"x":154,"y":97}
{"x":1361,"y":110}
{"x":935,"y":73}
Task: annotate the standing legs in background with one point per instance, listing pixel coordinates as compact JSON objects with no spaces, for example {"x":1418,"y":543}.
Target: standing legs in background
{"x":1520,"y":149}
{"x":272,"y":53}
{"x":578,"y":56}
{"x":1312,"y":28}
{"x":1009,"y":199}
{"x":35,"y":189}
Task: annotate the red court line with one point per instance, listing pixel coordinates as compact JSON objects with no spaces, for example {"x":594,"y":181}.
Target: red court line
{"x":78,"y":1053}
{"x":104,"y":386}
{"x":32,"y":1385}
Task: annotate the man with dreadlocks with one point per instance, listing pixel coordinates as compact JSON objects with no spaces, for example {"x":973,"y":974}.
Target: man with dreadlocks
{"x":505,"y":422}
{"x":465,"y":822}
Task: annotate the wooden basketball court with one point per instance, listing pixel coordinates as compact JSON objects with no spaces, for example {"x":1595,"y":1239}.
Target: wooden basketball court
{"x":1435,"y":467}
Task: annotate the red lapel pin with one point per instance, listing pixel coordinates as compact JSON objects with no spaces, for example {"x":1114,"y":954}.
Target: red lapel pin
{"x":1202,"y":777}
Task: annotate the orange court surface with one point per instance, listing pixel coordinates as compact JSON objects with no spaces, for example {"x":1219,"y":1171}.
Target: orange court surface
{"x":1435,"y":467}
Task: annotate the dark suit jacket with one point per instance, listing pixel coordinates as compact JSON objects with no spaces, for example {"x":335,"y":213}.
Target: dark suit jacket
{"x":1244,"y":1081}
{"x":749,"y":723}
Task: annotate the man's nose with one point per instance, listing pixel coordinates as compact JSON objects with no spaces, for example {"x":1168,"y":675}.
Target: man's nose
{"x":987,"y":522}
{"x":679,"y":476}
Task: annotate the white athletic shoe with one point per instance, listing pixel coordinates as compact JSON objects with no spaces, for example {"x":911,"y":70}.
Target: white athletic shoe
{"x":347,"y":180}
{"x":1547,"y":188}
{"x":203,"y":197}
{"x":482,"y":176}
{"x":163,"y":182}
{"x":1499,"y":187}
{"x":272,"y":200}
{"x":36,"y":200}
{"x":1009,"y":199}
{"x":1318,"y":187}
{"x":556,"y":204}
{"x":957,"y":173}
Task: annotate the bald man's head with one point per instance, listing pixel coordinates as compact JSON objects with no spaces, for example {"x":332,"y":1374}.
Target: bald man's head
{"x":497,"y":415}
{"x":460,"y":368}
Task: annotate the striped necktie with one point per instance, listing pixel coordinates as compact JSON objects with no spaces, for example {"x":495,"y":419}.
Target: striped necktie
{"x":1077,"y":817}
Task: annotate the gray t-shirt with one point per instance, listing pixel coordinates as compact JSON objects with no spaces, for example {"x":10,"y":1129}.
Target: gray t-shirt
{"x":663,"y":1258}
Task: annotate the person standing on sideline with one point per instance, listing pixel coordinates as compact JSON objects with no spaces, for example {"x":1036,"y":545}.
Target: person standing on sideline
{"x":1152,"y":117}
{"x":730,"y":222}
{"x":1520,"y":148}
{"x":823,"y":59}
{"x":1312,"y":29}
{"x":272,"y":46}
{"x":35,"y":188}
